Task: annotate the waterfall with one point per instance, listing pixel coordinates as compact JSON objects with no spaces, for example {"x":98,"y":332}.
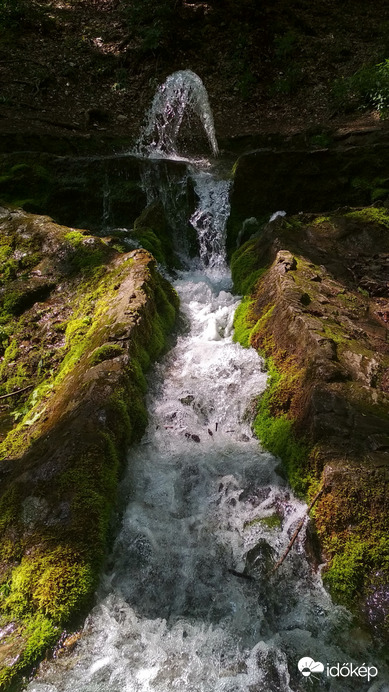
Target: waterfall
{"x":210,"y":217}
{"x":183,"y":93}
{"x":188,"y":602}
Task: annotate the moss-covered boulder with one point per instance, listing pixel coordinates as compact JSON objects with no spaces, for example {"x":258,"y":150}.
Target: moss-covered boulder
{"x":151,"y":230}
{"x":317,"y":307}
{"x":73,"y":358}
{"x":350,"y":170}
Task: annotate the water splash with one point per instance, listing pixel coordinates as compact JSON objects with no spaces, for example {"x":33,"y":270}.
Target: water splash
{"x":182,"y":93}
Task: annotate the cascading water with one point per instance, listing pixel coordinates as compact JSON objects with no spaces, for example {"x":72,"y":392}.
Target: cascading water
{"x":188,"y":601}
{"x":182,"y":93}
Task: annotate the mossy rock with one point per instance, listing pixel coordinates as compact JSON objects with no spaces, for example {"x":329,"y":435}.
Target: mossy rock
{"x":309,"y":180}
{"x":153,"y":233}
{"x":79,"y":408}
{"x":326,"y":408}
{"x":81,"y":192}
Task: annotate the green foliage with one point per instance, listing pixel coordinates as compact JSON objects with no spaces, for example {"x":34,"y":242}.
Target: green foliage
{"x":367,"y":88}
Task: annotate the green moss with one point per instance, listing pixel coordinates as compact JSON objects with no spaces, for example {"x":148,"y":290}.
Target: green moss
{"x":89,"y":252}
{"x":55,"y":583}
{"x":243,"y":324}
{"x":152,"y":232}
{"x":35,"y":636}
{"x":245,"y":267}
{"x":352,"y":524}
{"x":9,"y":507}
{"x":75,"y":238}
{"x":345,"y":577}
{"x":292,"y":224}
{"x":275,"y":429}
{"x":41,"y":635}
{"x":321,"y":219}
{"x":5,"y":252}
{"x":105,"y":352}
{"x":370,"y":215}
{"x":10,"y":354}
{"x":273,"y":521}
{"x":150,"y":242}
{"x":273,"y":424}
{"x":32,"y":178}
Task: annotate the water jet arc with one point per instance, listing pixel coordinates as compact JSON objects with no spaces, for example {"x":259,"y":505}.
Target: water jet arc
{"x":183,"y":92}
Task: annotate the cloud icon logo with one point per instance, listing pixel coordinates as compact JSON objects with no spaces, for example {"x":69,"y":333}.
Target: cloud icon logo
{"x":307,"y":666}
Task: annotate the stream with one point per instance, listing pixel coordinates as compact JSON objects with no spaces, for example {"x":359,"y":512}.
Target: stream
{"x":188,"y":600}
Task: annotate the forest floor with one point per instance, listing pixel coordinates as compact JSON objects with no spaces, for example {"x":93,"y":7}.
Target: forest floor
{"x":84,"y":66}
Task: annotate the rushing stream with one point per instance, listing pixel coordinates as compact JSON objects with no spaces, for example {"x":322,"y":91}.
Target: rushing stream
{"x":188,"y":601}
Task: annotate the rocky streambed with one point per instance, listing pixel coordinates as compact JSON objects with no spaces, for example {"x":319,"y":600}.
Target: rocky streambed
{"x":82,"y":317}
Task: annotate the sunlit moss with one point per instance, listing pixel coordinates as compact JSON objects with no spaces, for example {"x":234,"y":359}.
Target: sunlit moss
{"x":246,"y":267}
{"x":370,"y":215}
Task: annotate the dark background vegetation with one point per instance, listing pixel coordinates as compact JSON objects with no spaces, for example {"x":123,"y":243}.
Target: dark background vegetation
{"x":284,"y":66}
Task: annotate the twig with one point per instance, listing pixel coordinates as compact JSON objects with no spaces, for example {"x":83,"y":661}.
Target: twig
{"x":242,"y":575}
{"x":18,"y":391}
{"x":296,"y":533}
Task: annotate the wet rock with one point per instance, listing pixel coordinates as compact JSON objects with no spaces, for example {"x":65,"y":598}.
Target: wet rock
{"x":260,"y":558}
{"x":285,"y":261}
{"x":254,"y":495}
{"x":312,"y":545}
{"x":379,"y":442}
{"x":187,"y":400}
{"x":34,"y":510}
{"x":274,"y":670}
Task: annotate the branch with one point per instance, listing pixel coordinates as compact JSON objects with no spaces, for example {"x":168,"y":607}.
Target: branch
{"x":18,"y":391}
{"x":296,"y":533}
